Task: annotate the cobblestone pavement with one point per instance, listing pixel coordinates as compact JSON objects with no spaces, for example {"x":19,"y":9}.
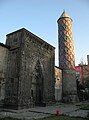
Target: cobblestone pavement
{"x":41,"y":112}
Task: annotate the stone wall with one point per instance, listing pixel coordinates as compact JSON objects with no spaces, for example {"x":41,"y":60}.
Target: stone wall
{"x":30,"y":77}
{"x":69,"y":92}
{"x":37,"y":71}
{"x":13,"y":40}
{"x":3,"y":63}
{"x":58,"y":84}
{"x":58,"y":77}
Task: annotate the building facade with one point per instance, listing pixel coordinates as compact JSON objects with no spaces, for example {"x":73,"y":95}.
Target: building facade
{"x":3,"y":66}
{"x":29,"y":79}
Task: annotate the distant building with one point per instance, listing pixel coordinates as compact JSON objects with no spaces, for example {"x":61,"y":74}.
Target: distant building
{"x":83,"y":71}
{"x":82,"y":79}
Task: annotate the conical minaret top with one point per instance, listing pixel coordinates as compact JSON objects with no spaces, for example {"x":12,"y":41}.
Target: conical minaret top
{"x":64,"y":15}
{"x":65,"y":42}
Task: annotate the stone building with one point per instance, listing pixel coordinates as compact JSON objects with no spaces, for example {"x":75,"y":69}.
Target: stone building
{"x":27,"y":68}
{"x":3,"y":65}
{"x":67,"y":57}
{"x":58,"y":84}
{"x":29,"y":78}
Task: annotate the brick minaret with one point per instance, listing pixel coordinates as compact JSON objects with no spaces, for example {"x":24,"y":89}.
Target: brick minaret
{"x":66,"y":57}
{"x":65,"y":39}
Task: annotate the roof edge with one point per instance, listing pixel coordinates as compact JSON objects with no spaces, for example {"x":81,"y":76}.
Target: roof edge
{"x":15,"y":31}
{"x":3,"y":45}
{"x":35,"y":36}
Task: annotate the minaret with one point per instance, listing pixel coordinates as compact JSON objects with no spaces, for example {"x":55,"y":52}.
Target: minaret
{"x":65,"y":39}
{"x":67,"y":58}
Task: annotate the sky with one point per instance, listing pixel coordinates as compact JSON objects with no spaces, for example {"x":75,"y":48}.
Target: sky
{"x":40,"y":17}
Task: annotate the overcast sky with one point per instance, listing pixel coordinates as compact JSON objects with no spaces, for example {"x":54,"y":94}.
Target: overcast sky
{"x":40,"y":17}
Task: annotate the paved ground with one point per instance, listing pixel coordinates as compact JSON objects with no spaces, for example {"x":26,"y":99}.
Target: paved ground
{"x":41,"y":112}
{"x":24,"y":115}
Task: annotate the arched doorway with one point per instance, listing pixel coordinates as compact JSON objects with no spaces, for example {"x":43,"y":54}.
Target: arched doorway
{"x":37,"y":85}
